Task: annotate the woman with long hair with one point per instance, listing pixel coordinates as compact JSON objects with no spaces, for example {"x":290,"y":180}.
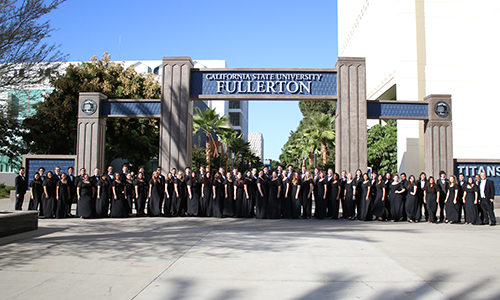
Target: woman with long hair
{"x":307,"y":189}
{"x":179,"y":199}
{"x":335,"y":188}
{"x":431,"y":199}
{"x":471,"y":194}
{"x":274,"y":200}
{"x":397,"y":201}
{"x":217,"y":196}
{"x":451,"y":206}
{"x":154,"y":195}
{"x":365,"y":198}
{"x":349,"y":198}
{"x":262,"y":196}
{"x":229,"y":196}
{"x":194,"y":194}
{"x":296,"y":195}
{"x":248,"y":195}
{"x":129,"y":193}
{"x":141,"y":194}
{"x":206,"y":196}
{"x":379,"y":210}
{"x":36,"y":192}
{"x":286,"y":191}
{"x":320,"y":196}
{"x":169,"y":194}
{"x":239,"y":195}
{"x":119,"y":207}
{"x":411,"y":201}
{"x":49,"y":190}
{"x":62,"y":196}
{"x":103,"y":194}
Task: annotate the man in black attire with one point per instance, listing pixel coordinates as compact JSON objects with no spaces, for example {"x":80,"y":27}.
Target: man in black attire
{"x":72,"y":191}
{"x":487,"y":198}
{"x":21,"y":185}
{"x":443,"y":185}
{"x":421,"y":185}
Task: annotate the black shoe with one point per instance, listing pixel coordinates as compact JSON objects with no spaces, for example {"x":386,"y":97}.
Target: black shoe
{"x":493,"y":224}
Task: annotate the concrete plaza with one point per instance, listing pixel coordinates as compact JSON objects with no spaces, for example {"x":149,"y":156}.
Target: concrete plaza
{"x":206,"y":258}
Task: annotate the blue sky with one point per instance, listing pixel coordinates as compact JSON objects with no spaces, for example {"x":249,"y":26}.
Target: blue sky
{"x":247,"y":34}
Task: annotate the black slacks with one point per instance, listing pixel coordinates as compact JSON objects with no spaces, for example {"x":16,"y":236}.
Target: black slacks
{"x":488,"y":213}
{"x":19,"y":202}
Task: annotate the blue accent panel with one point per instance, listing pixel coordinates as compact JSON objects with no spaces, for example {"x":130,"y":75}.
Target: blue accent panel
{"x":280,"y":83}
{"x":376,"y":110}
{"x":131,"y":109}
{"x":32,"y":166}
{"x":492,"y":171}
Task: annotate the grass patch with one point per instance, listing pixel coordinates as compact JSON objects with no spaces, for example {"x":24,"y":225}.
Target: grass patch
{"x":5,"y":190}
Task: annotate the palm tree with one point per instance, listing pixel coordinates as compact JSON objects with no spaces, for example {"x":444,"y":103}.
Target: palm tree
{"x":323,"y":129}
{"x":210,"y":123}
{"x":239,"y":148}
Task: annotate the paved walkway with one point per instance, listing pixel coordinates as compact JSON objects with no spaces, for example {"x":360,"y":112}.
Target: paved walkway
{"x":205,"y":258}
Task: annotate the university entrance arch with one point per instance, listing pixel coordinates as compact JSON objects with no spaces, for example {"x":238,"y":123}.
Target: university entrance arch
{"x":346,"y":84}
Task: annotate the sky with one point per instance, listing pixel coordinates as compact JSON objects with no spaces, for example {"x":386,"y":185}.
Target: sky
{"x":246,"y":34}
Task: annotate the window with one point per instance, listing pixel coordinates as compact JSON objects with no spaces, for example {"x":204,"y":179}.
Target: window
{"x":234,"y":118}
{"x":234,"y":104}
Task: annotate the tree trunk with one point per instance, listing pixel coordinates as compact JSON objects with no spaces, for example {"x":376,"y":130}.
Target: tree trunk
{"x":323,"y":150}
{"x":311,"y":157}
{"x":208,"y":151}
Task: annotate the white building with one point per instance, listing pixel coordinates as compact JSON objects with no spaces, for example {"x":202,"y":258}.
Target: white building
{"x":422,"y":47}
{"x":256,"y":140}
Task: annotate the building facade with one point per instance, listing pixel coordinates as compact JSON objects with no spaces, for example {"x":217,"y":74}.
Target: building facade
{"x":256,"y":140}
{"x":415,"y":48}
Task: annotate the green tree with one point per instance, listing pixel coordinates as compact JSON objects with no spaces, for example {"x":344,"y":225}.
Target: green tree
{"x":10,"y":134}
{"x":52,"y":130}
{"x":323,"y":130}
{"x":382,"y":147}
{"x":210,"y":123}
{"x":25,"y":56}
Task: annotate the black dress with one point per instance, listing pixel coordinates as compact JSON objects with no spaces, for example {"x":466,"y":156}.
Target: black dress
{"x":471,"y":211}
{"x":261,"y":199}
{"x":49,"y":201}
{"x":218,"y":202}
{"x":119,"y":208}
{"x":167,"y":205}
{"x":412,"y":203}
{"x":205,"y":201}
{"x":154,"y":209}
{"x":129,"y":195}
{"x":397,"y":202}
{"x":36,"y":193}
{"x":319,"y":193}
{"x":350,"y":203}
{"x":178,"y":202}
{"x":61,"y":208}
{"x":295,"y":199}
{"x":333,"y":201}
{"x":194,"y":202}
{"x":140,"y":200}
{"x":431,"y":202}
{"x":229,"y":200}
{"x":247,"y":201}
{"x":86,"y":204}
{"x":452,"y":208}
{"x":378,"y":205}
{"x":286,"y":201}
{"x":366,"y":214}
{"x":240,"y":198}
{"x":273,"y":204}
{"x":306,"y":198}
{"x":102,"y":202}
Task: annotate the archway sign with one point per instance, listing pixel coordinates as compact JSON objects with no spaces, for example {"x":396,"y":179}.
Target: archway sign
{"x":346,"y":84}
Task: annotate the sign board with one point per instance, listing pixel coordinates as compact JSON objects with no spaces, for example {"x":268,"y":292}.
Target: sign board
{"x":473,"y":167}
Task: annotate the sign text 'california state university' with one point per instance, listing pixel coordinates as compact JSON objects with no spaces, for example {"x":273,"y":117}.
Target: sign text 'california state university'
{"x":263,"y":83}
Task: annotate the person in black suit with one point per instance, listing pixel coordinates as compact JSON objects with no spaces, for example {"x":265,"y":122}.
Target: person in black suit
{"x":21,"y":185}
{"x":290,"y":173}
{"x":123,"y":175}
{"x":487,"y":198}
{"x":421,"y":185}
{"x":443,"y":186}
{"x":72,"y":190}
{"x":462,"y":183}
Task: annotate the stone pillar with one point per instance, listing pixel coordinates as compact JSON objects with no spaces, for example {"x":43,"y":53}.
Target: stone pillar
{"x":91,"y":133}
{"x":438,"y":135}
{"x":350,"y":122}
{"x":176,"y":123}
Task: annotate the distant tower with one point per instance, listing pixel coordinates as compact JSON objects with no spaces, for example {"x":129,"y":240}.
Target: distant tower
{"x":256,"y":140}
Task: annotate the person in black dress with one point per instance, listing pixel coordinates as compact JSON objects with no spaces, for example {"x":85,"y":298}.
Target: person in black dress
{"x":180,"y":193}
{"x":206,"y":196}
{"x":103,"y":195}
{"x":387,"y":183}
{"x":85,"y":192}
{"x":247,"y":206}
{"x":169,"y":194}
{"x":379,"y":210}
{"x":154,"y":195}
{"x":141,"y":194}
{"x":431,"y":199}
{"x":358,"y":181}
{"x":470,"y":197}
{"x":295,"y":195}
{"x":307,"y":190}
{"x":119,"y":208}
{"x":239,"y":195}
{"x":411,"y":201}
{"x":334,"y":196}
{"x":286,"y":191}
{"x":62,"y":196}
{"x":366,"y":186}
{"x":217,"y":196}
{"x":36,"y":192}
{"x":320,"y":196}
{"x":461,"y":185}
{"x":274,"y":202}
{"x":396,"y":198}
{"x":194,"y":194}
{"x":129,"y":192}
{"x":350,"y":198}
{"x":72,"y":191}
{"x":229,"y":196}
{"x":49,"y":190}
{"x":262,"y":196}
{"x":451,"y":206}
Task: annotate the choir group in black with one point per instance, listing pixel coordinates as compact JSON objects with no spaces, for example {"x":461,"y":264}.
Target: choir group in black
{"x":257,"y":193}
